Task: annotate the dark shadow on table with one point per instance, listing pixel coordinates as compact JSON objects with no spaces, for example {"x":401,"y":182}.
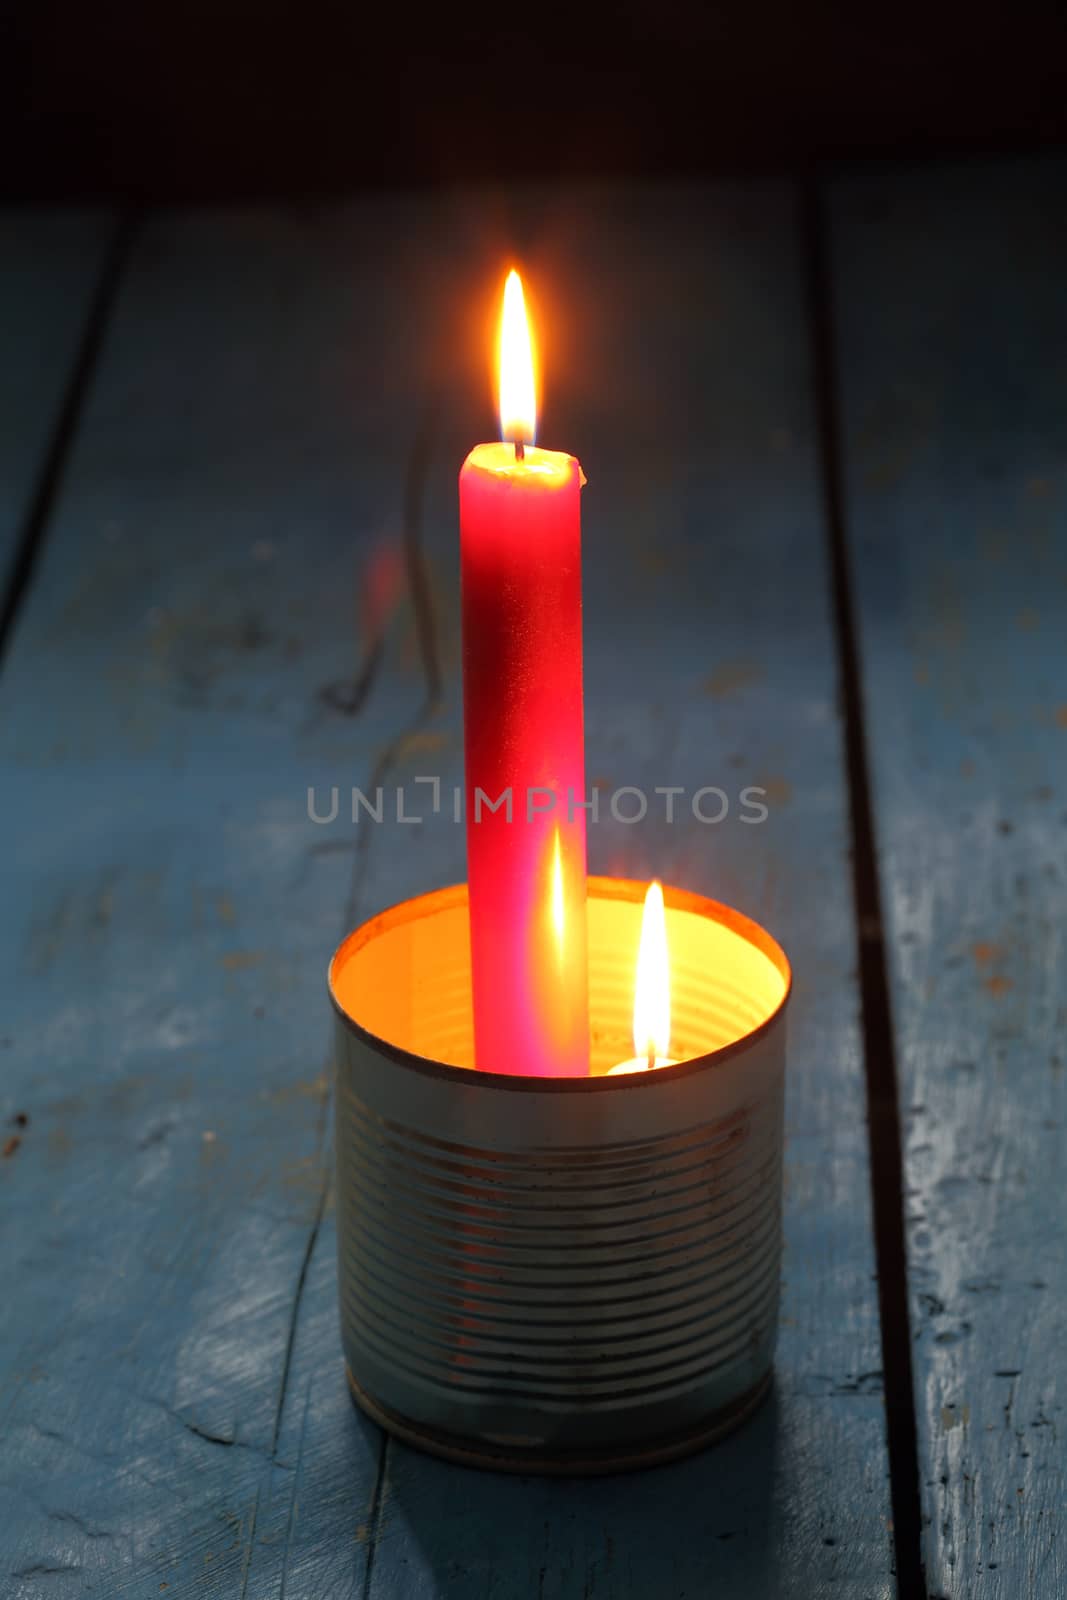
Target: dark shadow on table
{"x":709,"y":1525}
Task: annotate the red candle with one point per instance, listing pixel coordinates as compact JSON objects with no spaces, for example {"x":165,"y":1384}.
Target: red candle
{"x":520,"y":546}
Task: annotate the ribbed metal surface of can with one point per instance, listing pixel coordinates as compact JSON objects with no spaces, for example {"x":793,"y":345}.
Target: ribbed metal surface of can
{"x":558,"y":1275}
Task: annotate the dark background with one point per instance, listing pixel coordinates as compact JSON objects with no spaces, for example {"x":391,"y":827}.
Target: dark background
{"x":239,"y":100}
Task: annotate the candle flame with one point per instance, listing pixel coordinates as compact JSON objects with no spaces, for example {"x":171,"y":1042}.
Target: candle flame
{"x":558,"y":918}
{"x":652,"y":991}
{"x":518,"y":401}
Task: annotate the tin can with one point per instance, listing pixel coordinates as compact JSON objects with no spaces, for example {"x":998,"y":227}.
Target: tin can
{"x":559,"y":1275}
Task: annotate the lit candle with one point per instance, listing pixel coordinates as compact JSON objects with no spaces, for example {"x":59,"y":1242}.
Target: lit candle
{"x":520,"y":550}
{"x":652,"y":991}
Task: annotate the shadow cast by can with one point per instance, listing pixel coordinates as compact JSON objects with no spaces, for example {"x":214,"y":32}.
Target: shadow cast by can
{"x":713,"y":1524}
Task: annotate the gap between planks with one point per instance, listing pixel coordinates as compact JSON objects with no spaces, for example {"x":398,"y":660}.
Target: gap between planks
{"x":418,"y":584}
{"x":879,"y":1048}
{"x":83,"y":367}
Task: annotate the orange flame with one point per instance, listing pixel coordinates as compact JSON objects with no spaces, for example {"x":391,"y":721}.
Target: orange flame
{"x":518,"y":398}
{"x":652,"y":992}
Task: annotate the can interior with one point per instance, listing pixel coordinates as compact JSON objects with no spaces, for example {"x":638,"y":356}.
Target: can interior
{"x":405,"y":975}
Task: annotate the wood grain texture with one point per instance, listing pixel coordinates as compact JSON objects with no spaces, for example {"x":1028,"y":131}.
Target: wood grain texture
{"x":194,"y":656}
{"x":170,"y":911}
{"x":952,"y":325}
{"x":50,"y":264}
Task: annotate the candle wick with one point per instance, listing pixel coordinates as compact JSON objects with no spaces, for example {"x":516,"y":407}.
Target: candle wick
{"x":651,"y":1055}
{"x":520,"y":450}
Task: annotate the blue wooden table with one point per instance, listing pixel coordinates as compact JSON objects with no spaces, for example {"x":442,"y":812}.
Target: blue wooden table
{"x":826,"y":555}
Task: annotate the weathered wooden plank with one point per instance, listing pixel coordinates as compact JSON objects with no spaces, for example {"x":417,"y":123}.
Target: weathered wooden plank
{"x":681,"y":376}
{"x":951,"y":326}
{"x":50,"y":263}
{"x":168,"y":913}
{"x":180,"y":677}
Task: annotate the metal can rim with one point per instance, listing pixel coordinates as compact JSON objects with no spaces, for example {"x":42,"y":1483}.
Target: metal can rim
{"x":606,"y":888}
